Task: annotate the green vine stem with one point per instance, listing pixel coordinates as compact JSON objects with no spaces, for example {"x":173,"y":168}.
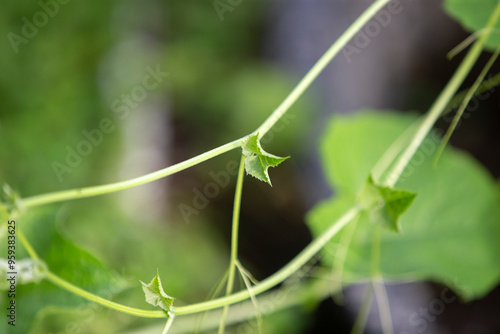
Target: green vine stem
{"x":399,"y":144}
{"x":246,"y":279}
{"x":293,"y":266}
{"x":234,"y":240}
{"x":383,"y":305}
{"x":291,"y":294}
{"x":341,"y":42}
{"x":301,"y":259}
{"x":378,"y":284}
{"x":464,"y":104}
{"x":51,"y":277}
{"x":281,"y":275}
{"x":364,"y":310}
{"x":484,"y":87}
{"x":340,"y":259}
{"x":168,"y":324}
{"x":66,"y":195}
{"x":320,"y":66}
{"x":26,"y":244}
{"x":441,"y":102}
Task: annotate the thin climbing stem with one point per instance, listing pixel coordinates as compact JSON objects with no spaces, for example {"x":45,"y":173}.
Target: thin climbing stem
{"x":340,"y":259}
{"x":234,"y":240}
{"x":341,"y":42}
{"x":320,"y":65}
{"x":383,"y":305}
{"x":376,"y":250}
{"x":246,"y":280}
{"x":168,"y":324}
{"x":401,"y":142}
{"x":318,"y":243}
{"x":464,"y":104}
{"x":364,"y":310}
{"x":53,"y":278}
{"x":27,"y":245}
{"x":294,"y":265}
{"x":485,"y":86}
{"x":378,"y":284}
{"x":66,"y":195}
{"x":301,"y":259}
{"x":441,"y":102}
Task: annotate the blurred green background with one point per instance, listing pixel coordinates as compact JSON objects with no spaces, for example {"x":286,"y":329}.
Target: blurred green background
{"x":67,"y":67}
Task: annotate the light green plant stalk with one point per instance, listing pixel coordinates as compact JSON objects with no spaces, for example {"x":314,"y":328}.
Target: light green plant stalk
{"x":378,"y":283}
{"x":168,"y":324}
{"x":340,"y":258}
{"x":484,"y":87}
{"x":320,"y":65}
{"x":318,"y":243}
{"x":246,"y":279}
{"x":464,"y":104}
{"x":301,"y":259}
{"x":67,"y":195}
{"x":362,"y":316}
{"x":313,"y":73}
{"x":423,"y":127}
{"x":234,"y":240}
{"x":441,"y":102}
{"x":273,"y":280}
{"x":53,"y":278}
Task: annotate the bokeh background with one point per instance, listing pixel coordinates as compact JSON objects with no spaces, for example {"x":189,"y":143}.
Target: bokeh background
{"x":220,"y":72}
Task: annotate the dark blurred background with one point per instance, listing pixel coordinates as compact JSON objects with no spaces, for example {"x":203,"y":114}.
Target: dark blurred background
{"x":218,"y":72}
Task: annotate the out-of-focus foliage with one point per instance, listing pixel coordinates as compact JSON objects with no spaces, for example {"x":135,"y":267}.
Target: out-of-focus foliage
{"x":450,"y":232}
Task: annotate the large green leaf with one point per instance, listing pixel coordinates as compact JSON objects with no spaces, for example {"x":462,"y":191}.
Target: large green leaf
{"x":450,"y":232}
{"x":474,"y":15}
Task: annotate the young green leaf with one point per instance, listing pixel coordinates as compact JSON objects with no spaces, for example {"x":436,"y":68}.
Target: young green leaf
{"x":258,"y":161}
{"x":156,"y":296}
{"x":385,"y":205}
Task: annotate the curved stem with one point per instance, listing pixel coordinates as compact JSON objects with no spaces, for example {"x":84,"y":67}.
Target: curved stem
{"x":66,"y":195}
{"x":234,"y":240}
{"x":464,"y":104}
{"x":376,"y":245}
{"x":278,"y":277}
{"x":340,"y":259}
{"x":442,"y":102}
{"x":51,"y":277}
{"x":320,"y":66}
{"x":294,"y":265}
{"x":484,"y":87}
{"x":364,"y":310}
{"x":378,"y":284}
{"x":26,"y":244}
{"x":262,"y":130}
{"x":168,"y":324}
{"x":246,"y":279}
